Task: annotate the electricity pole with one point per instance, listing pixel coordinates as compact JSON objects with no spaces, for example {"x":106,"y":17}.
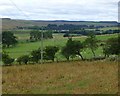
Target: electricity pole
{"x":42,"y":46}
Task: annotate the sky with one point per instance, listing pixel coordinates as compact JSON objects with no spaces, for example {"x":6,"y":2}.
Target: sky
{"x":73,"y":10}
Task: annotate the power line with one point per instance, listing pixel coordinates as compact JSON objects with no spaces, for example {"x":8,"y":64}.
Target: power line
{"x":41,"y":32}
{"x":19,"y":9}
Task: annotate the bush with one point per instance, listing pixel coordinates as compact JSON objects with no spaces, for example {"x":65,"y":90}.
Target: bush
{"x":6,"y":59}
{"x":23,"y":59}
{"x":50,"y":52}
{"x":35,"y":55}
{"x":66,"y":35}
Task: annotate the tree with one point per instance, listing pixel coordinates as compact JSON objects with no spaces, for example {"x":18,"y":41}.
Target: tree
{"x":66,"y":35}
{"x":6,"y":59}
{"x":66,"y":52}
{"x":112,"y":47}
{"x":72,"y":48}
{"x":77,"y":48}
{"x":36,"y":35}
{"x":23,"y":59}
{"x":8,"y":39}
{"x":48,"y":34}
{"x":50,"y":52}
{"x":91,"y":42}
{"x":36,"y":55}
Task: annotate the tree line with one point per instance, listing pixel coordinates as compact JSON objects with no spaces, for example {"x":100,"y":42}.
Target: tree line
{"x":72,"y":49}
{"x":62,"y":27}
{"x":86,"y":32}
{"x":37,"y":35}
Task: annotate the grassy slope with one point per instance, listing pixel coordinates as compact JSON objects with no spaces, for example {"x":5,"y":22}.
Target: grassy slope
{"x":73,"y":77}
{"x":10,"y":24}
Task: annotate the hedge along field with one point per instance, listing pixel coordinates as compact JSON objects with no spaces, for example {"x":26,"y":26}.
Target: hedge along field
{"x":24,"y":48}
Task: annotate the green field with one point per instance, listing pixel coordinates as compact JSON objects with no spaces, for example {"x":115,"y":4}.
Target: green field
{"x":109,"y":28}
{"x":73,"y":77}
{"x":23,"y":47}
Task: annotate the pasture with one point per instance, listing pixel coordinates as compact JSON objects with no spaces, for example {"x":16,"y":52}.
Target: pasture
{"x":109,"y":28}
{"x":77,"y":77}
{"x":63,"y":77}
{"x":24,"y":48}
{"x":80,"y":68}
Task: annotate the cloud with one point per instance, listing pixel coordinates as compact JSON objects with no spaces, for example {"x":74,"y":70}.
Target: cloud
{"x":92,"y":10}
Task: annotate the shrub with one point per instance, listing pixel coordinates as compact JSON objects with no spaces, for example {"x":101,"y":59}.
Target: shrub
{"x":50,"y":52}
{"x":6,"y":59}
{"x":35,"y":55}
{"x":23,"y":59}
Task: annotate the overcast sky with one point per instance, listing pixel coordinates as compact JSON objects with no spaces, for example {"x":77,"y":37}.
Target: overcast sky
{"x":80,"y":10}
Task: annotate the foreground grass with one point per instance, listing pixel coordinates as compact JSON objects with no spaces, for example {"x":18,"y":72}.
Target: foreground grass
{"x":98,"y":77}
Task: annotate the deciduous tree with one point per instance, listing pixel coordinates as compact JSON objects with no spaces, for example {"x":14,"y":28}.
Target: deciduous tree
{"x":50,"y":52}
{"x":8,"y":39}
{"x":91,"y":42}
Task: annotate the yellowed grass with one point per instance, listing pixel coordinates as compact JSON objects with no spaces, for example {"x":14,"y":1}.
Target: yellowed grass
{"x":98,"y":77}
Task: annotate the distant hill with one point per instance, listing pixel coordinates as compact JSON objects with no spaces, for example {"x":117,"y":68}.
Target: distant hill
{"x":8,"y":23}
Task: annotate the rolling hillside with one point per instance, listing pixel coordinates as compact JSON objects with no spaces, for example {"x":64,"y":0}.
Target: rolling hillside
{"x":8,"y":23}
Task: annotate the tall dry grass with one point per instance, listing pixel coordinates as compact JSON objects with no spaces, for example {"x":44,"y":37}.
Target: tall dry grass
{"x":98,"y":77}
